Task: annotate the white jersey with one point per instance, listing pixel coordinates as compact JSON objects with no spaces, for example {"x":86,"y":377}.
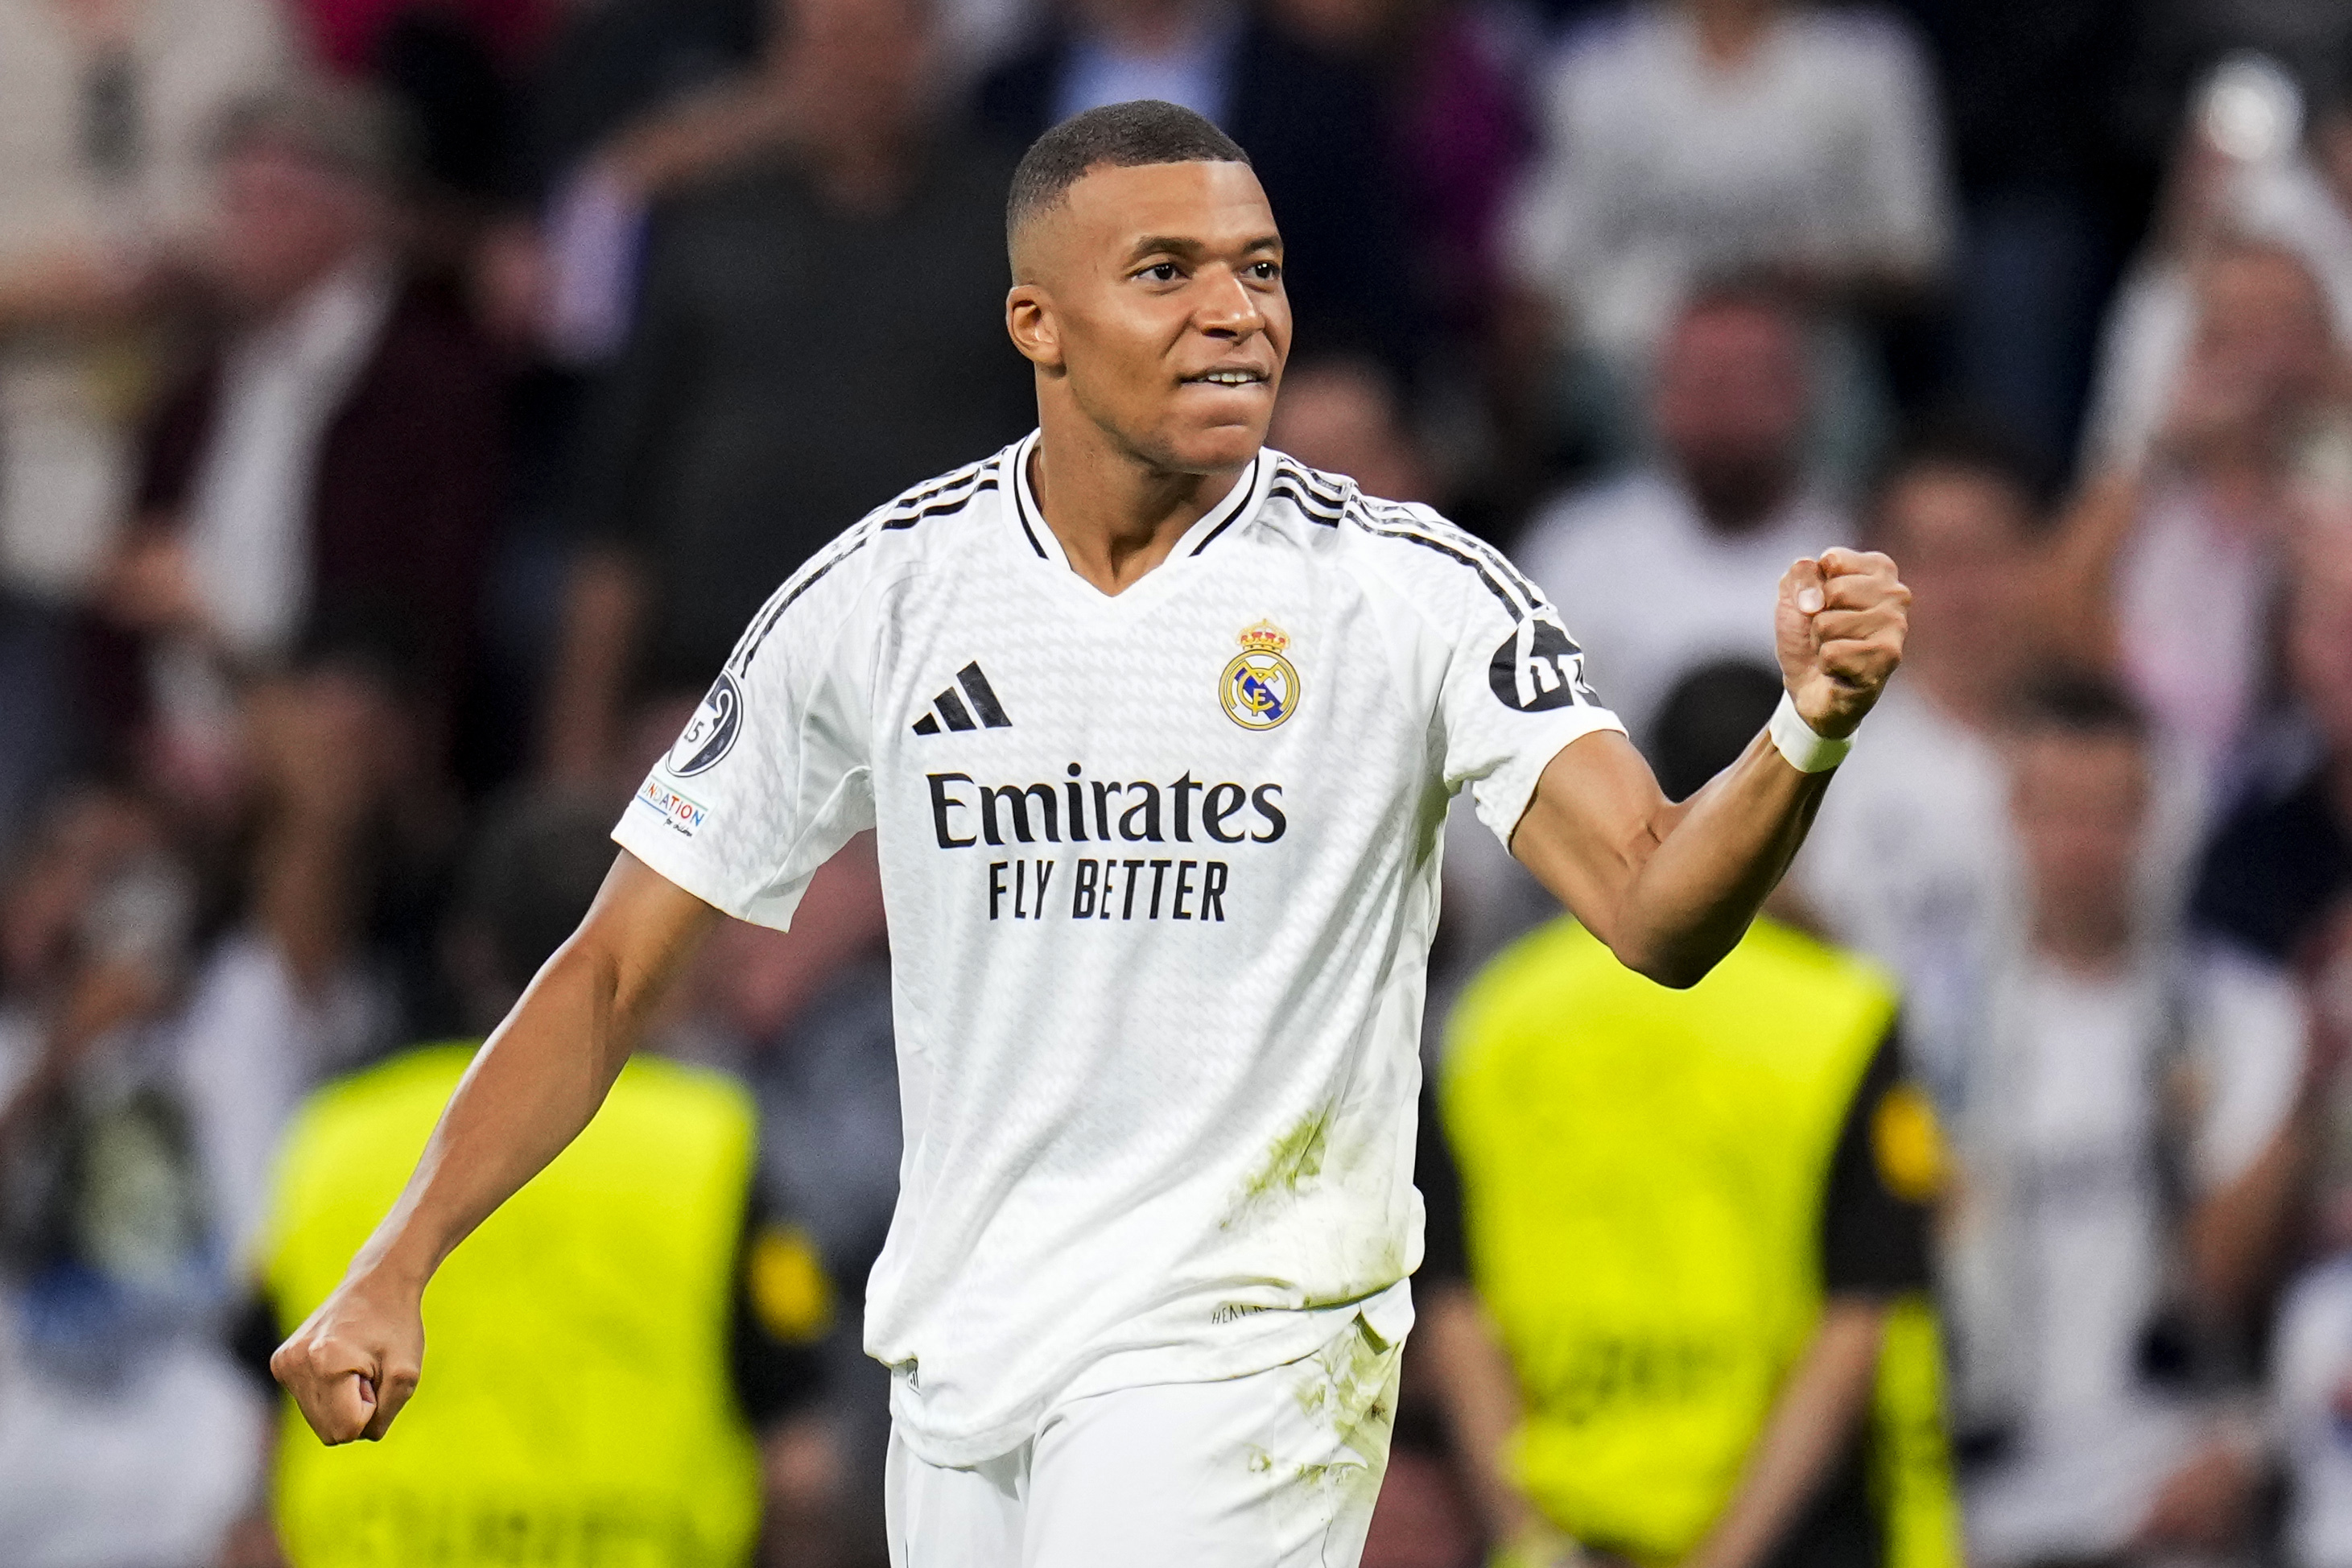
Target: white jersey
{"x":1162,"y":870}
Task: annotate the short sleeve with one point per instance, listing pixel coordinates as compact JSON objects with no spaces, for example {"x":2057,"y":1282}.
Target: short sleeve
{"x":1515,"y":691}
{"x":772,"y":775}
{"x":1902,"y":205}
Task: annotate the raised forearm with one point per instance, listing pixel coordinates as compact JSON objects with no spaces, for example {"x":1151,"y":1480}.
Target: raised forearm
{"x":1718,"y":857}
{"x":1670,"y":889}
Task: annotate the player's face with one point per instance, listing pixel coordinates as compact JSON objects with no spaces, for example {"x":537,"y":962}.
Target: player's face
{"x":1158,"y":307}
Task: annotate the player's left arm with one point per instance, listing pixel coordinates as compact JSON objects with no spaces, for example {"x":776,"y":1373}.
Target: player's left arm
{"x":1671,"y":887}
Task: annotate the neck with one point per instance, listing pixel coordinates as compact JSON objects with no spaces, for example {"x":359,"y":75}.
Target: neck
{"x":2092,"y":947}
{"x":1115,"y":514}
{"x":1728,"y":32}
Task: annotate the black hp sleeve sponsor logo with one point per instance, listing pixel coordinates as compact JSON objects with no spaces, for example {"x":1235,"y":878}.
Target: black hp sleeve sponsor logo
{"x":1539,"y":668}
{"x":710,"y":735}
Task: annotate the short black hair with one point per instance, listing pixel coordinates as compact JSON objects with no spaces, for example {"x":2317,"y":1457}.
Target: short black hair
{"x":1707,"y":721}
{"x":2082,"y":704}
{"x":1123,"y":135}
{"x":1969,"y":441}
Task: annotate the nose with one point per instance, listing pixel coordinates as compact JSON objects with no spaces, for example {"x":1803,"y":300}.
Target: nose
{"x":1229,"y":308}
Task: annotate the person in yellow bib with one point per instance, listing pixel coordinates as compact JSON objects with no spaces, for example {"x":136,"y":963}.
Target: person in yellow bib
{"x":617,"y":1336}
{"x":1675,"y":1298}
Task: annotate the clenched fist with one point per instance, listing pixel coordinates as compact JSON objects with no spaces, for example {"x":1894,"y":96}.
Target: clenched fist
{"x":354,"y":1362}
{"x":1840,"y":627}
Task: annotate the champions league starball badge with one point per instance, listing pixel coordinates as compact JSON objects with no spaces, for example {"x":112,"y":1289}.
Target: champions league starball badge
{"x":711,"y":734}
{"x":1260,"y":688}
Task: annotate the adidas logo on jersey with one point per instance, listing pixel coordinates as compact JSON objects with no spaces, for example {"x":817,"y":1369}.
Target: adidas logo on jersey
{"x":950,"y":710}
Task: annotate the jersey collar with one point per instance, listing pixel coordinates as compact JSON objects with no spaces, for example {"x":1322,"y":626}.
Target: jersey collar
{"x":1239,"y":504}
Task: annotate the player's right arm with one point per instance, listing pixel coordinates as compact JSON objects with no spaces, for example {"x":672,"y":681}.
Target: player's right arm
{"x":1671,"y":887}
{"x":531,"y":1089}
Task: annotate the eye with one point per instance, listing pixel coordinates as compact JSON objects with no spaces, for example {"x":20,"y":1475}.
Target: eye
{"x":1160,"y":272}
{"x":1265,"y":271}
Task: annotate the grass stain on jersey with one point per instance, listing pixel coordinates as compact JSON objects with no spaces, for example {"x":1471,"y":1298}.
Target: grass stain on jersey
{"x":1291,"y":1162}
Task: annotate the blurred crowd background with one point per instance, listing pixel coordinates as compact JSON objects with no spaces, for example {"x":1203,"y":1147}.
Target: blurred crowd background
{"x":404,"y":403}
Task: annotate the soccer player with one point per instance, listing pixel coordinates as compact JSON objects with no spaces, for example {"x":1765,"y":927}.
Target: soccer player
{"x":1156,"y":729}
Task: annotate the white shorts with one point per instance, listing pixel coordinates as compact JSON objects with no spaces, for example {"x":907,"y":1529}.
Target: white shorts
{"x":1276,"y":1469}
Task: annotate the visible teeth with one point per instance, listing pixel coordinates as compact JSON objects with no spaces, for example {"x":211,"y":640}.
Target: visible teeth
{"x":1229,"y":378}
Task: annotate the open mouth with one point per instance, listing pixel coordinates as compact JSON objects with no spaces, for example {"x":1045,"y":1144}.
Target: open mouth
{"x":1227,"y":378}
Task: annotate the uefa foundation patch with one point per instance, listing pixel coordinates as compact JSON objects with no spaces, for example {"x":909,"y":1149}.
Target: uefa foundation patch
{"x":683,"y":813}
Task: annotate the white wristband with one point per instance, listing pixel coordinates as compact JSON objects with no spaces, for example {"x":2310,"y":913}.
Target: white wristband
{"x":1807,"y":751}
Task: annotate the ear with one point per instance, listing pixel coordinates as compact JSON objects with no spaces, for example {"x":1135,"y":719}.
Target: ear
{"x":1034,"y":328}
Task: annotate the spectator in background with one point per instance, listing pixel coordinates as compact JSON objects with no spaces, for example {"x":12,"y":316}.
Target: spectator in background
{"x":1459,"y":133}
{"x":124,"y":1435}
{"x":824,"y":322}
{"x":334,"y":463}
{"x":2312,"y":1384}
{"x":1695,"y":138}
{"x":2280,"y":863}
{"x":1346,"y":414}
{"x":2173,"y":568}
{"x":1713,"y":523}
{"x":2241,"y":177}
{"x":1911,"y":860}
{"x":104,"y":108}
{"x":1313,"y":125}
{"x":564,"y":1411}
{"x":1696,"y":1236}
{"x":104,"y":113}
{"x":327,"y":955}
{"x":2050,"y":190}
{"x":2128,"y":1138}
{"x":2311,"y":1351}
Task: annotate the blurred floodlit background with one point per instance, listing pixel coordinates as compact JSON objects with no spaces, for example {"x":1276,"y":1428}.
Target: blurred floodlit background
{"x":404,"y":403}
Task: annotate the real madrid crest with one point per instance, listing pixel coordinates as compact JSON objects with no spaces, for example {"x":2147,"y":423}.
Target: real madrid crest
{"x":1260,"y":687}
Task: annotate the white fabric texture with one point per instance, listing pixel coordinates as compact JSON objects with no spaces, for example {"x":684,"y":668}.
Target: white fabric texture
{"x":2058,"y":1258}
{"x":249,"y":527}
{"x":2311,"y":1363}
{"x":1160,"y":967}
{"x":2152,"y":324}
{"x":1912,"y":860}
{"x":1659,"y":168}
{"x":146,"y":1470}
{"x":1638,"y":574}
{"x":1278,"y":1469}
{"x":2194,"y":597}
{"x":65,"y":448}
{"x":1807,"y":749}
{"x":250,"y":1045}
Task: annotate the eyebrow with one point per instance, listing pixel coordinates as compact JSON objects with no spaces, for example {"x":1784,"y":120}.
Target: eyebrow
{"x":1151,"y":244}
